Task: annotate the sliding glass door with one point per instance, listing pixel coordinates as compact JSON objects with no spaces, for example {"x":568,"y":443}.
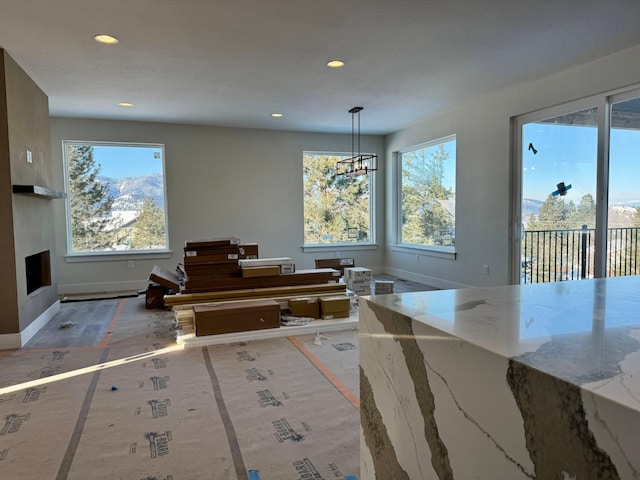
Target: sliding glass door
{"x":624,"y":189}
{"x":577,"y":187}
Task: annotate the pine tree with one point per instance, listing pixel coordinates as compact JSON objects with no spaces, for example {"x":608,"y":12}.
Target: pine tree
{"x":553,"y":214}
{"x":585,"y":212}
{"x":90,"y":202}
{"x":336,"y":207}
{"x":424,"y":215}
{"x":148,"y":230}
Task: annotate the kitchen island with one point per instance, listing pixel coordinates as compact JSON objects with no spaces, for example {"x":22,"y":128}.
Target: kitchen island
{"x":516,"y":382}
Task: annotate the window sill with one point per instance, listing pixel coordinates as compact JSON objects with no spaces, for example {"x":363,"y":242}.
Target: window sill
{"x":339,"y":247}
{"x":116,"y":256}
{"x":432,"y":251}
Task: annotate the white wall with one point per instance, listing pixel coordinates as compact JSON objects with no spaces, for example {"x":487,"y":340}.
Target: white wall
{"x":483,"y":169}
{"x":220,"y":182}
{"x":225,"y":181}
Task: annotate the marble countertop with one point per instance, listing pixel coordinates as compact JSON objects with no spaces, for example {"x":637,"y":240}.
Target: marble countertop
{"x":586,"y":332}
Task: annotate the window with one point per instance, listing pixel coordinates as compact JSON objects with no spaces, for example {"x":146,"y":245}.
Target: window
{"x":427,"y":191}
{"x":116,"y":198}
{"x":337,"y":209}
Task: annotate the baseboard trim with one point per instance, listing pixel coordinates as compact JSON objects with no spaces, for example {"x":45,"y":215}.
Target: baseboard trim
{"x":427,"y":280}
{"x":72,"y":288}
{"x":10,"y":341}
{"x":35,"y":326}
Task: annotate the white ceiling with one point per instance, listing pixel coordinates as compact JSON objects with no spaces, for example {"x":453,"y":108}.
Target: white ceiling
{"x":234,"y":62}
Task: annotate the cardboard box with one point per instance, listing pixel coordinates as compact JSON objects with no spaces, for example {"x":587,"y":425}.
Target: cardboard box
{"x":207,"y":259}
{"x":358,"y":283}
{"x":192,"y":280}
{"x":285,"y":263}
{"x":287,"y":268}
{"x":381,"y":287}
{"x":259,"y":262}
{"x":358,"y":273}
{"x":337,"y":263}
{"x":304,"y":307}
{"x":302,"y":277}
{"x":165,"y":278}
{"x":265,"y":271}
{"x":226,"y":250}
{"x":230,"y":266}
{"x":240,"y":316}
{"x":211,"y":242}
{"x":248,"y":251}
{"x":154,"y":296}
{"x":359,"y":287}
{"x":335,"y":307}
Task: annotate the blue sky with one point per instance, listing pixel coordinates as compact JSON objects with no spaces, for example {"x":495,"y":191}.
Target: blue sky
{"x":449,"y":174}
{"x":449,"y":179}
{"x":564,"y":154}
{"x":624,"y":165}
{"x":127,"y":161}
{"x":568,"y":154}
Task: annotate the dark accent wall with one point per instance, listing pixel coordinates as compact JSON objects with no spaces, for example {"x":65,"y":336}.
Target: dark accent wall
{"x":26,"y":221}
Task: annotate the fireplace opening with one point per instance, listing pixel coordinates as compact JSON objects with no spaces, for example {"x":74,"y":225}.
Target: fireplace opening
{"x":38,"y":271}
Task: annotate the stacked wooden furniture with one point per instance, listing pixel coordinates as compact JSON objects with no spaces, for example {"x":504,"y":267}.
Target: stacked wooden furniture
{"x":184,"y":306}
{"x":217,"y":265}
{"x":207,"y":263}
{"x":226,"y":288}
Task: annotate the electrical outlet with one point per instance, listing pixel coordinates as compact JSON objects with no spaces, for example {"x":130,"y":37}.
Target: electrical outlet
{"x":29,"y":156}
{"x":417,"y":258}
{"x":486,"y":269}
{"x":130,"y":264}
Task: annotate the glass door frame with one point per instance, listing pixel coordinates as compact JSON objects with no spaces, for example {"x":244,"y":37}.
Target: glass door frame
{"x":602,"y":103}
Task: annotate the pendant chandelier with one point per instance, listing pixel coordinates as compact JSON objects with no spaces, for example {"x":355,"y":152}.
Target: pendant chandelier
{"x":357,"y":164}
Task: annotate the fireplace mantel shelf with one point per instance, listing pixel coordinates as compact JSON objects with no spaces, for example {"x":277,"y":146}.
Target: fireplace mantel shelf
{"x":38,"y":191}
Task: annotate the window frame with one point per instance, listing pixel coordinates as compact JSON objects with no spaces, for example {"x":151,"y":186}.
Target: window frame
{"x":336,"y":246}
{"x":603,"y":102}
{"x":440,"y":251}
{"x":82,"y":256}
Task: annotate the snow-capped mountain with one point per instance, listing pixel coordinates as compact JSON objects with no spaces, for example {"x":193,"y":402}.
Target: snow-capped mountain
{"x":530,"y":207}
{"x":130,"y":192}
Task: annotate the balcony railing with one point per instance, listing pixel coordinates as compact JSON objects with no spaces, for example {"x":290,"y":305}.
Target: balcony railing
{"x":558,"y":255}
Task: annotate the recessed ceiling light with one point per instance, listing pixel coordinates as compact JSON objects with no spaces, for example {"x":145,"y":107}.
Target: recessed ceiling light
{"x":106,"y":39}
{"x":277,"y":115}
{"x":335,"y":64}
{"x":125,"y":104}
